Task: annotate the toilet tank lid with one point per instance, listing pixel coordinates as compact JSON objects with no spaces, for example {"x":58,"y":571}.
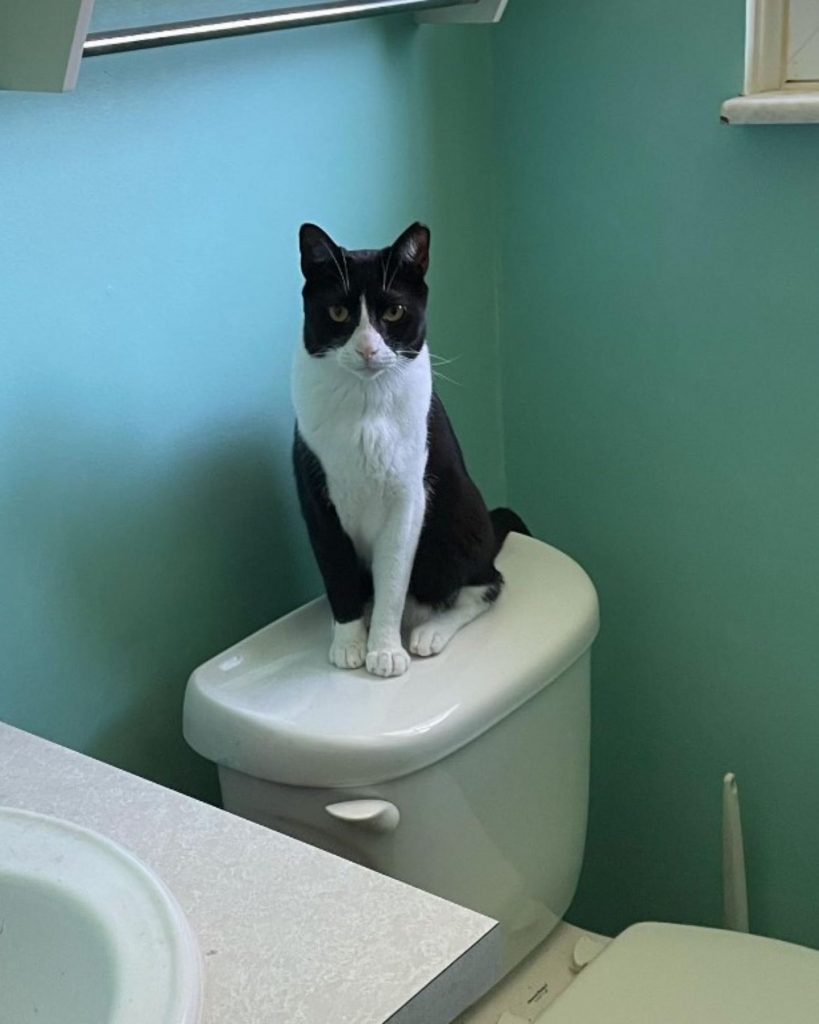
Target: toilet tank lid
{"x":273,"y":707}
{"x":679,"y":973}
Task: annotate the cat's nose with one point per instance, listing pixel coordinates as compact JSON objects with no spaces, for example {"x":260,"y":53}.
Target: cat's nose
{"x":367,"y":350}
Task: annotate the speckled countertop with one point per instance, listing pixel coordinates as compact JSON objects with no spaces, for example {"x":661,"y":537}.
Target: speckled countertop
{"x":289,"y":934}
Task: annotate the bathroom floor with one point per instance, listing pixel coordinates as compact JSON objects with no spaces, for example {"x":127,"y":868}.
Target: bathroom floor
{"x":525,"y":993}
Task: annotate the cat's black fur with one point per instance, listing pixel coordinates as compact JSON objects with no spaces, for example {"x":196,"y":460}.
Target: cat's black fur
{"x":460,"y":538}
{"x":348,"y":583}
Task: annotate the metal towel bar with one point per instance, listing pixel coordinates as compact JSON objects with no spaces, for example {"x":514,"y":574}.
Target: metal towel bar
{"x":145,"y":37}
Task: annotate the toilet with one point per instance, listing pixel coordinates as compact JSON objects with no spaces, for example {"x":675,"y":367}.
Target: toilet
{"x":467,"y":777}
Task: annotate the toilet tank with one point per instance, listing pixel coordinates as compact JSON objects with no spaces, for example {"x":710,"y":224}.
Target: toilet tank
{"x":467,"y":777}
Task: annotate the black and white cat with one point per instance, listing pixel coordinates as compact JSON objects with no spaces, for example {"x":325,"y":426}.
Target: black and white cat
{"x":393,"y":517}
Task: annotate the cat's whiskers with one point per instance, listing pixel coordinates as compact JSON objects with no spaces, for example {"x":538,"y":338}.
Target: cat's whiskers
{"x":346,"y":270}
{"x":443,"y":376}
{"x":437,"y":360}
{"x":344,"y":283}
{"x":384,"y":265}
{"x":394,"y":273}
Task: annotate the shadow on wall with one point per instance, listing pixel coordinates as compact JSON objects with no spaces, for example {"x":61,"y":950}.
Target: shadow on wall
{"x":141,"y":564}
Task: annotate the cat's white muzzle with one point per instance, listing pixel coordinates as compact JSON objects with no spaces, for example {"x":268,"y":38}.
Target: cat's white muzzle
{"x":366,"y":369}
{"x":366,"y":354}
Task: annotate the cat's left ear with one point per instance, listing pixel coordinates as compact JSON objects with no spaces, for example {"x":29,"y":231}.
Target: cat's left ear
{"x":412,"y":247}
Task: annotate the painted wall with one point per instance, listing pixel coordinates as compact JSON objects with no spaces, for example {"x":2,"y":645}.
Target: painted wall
{"x":660,"y":339}
{"x":149,"y":302}
{"x":658,"y":333}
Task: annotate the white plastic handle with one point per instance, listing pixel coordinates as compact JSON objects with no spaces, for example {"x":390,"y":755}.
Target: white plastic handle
{"x":373,"y":815}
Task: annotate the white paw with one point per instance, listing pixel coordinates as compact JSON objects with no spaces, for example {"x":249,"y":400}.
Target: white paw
{"x":386,"y":662}
{"x":427,"y":640}
{"x":348,"y":655}
{"x":349,"y":647}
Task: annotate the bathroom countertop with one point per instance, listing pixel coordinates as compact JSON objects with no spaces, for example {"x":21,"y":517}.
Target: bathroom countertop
{"x":289,"y":934}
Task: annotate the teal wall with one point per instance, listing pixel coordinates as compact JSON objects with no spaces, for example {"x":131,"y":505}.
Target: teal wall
{"x":659,"y":312}
{"x":149,"y":303}
{"x":657,"y":329}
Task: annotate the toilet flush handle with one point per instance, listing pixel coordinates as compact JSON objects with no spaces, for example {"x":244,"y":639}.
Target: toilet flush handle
{"x":372,"y":815}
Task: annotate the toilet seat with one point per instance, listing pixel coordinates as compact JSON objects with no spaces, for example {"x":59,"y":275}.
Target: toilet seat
{"x":677,"y":974}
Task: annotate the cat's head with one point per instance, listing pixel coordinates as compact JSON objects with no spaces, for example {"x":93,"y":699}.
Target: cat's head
{"x":365,"y":308}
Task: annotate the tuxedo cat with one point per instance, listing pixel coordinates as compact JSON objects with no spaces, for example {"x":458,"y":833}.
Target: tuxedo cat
{"x":393,"y":517}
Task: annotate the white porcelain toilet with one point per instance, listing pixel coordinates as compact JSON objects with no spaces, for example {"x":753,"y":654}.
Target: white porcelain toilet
{"x":466,"y":777}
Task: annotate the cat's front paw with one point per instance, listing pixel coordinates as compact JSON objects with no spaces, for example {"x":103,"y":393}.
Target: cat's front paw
{"x":426,"y":640}
{"x":388,"y":661}
{"x":350,"y":655}
{"x":349,"y":647}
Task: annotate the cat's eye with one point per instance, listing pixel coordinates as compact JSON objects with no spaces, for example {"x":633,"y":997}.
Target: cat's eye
{"x":394,"y":314}
{"x":339,"y":314}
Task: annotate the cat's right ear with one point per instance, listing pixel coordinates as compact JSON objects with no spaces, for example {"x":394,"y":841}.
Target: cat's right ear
{"x":317,"y":248}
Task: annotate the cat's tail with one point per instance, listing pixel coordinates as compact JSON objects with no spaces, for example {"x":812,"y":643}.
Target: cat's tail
{"x":506,"y":521}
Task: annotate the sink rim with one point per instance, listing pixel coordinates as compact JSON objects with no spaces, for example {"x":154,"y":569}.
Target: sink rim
{"x":183,"y":955}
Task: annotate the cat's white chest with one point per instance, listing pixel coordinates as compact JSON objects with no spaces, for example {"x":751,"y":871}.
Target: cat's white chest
{"x":370,"y":437}
{"x":362,"y":479}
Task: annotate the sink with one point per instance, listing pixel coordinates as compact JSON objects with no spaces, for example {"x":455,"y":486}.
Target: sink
{"x":88,"y":933}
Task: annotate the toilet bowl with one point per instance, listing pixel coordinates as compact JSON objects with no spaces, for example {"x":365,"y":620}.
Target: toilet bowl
{"x":468,"y":777}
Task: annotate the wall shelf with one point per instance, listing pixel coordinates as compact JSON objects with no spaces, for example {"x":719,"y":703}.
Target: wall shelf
{"x":42,"y":43}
